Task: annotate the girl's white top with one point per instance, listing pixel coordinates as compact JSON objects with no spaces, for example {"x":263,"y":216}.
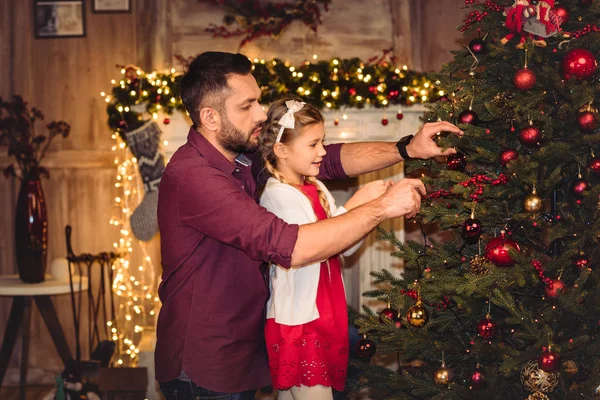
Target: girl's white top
{"x":293,"y":298}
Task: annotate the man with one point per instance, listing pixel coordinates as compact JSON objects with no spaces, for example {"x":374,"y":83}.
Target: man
{"x":215,"y":239}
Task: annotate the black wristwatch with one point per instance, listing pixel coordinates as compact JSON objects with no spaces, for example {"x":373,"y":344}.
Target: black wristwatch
{"x":401,"y":145}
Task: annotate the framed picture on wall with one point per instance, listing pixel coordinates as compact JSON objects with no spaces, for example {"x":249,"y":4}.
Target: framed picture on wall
{"x":58,"y":18}
{"x":111,"y":6}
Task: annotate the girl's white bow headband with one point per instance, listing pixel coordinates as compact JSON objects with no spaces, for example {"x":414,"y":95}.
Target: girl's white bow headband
{"x":288,"y":120}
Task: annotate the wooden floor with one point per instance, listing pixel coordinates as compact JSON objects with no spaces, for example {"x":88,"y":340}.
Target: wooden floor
{"x":32,"y":393}
{"x":38,"y":392}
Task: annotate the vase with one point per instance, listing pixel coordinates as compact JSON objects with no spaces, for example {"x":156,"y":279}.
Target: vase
{"x":31,"y":231}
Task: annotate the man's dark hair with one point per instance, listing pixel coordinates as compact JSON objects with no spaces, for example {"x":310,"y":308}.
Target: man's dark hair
{"x":205,"y":82}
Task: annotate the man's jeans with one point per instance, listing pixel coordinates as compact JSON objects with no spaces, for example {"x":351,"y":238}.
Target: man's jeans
{"x":182,"y":390}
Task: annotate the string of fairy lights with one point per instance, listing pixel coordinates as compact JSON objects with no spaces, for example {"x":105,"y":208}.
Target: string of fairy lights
{"x":134,"y":282}
{"x":136,"y":95}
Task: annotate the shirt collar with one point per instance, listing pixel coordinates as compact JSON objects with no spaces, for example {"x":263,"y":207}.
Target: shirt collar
{"x":214,"y":156}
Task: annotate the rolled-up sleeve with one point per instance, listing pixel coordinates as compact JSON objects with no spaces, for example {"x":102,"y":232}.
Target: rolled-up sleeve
{"x":332,"y":163}
{"x":211,"y":203}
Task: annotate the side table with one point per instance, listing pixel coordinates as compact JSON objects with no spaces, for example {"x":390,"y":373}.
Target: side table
{"x":23,"y":295}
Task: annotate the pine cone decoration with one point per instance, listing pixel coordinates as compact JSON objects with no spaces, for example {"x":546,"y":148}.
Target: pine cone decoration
{"x":480,"y":265}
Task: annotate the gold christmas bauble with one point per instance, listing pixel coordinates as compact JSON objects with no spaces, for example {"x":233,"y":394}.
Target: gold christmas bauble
{"x":537,"y":396}
{"x":442,"y":376}
{"x":536,"y":380}
{"x":417,"y":315}
{"x":532,"y":203}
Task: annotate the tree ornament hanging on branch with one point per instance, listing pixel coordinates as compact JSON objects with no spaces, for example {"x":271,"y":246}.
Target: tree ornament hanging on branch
{"x":579,"y":63}
{"x":530,"y":136}
{"x":486,"y":328}
{"x":587,"y":119}
{"x":498,"y":250}
{"x":456,"y":162}
{"x":478,"y":46}
{"x":478,"y":377}
{"x":524,"y":79}
{"x":549,"y":360}
{"x":581,"y":261}
{"x":417,"y":315}
{"x":508,"y":155}
{"x":537,"y":396}
{"x":365,"y":348}
{"x":579,"y":187}
{"x":536,"y":380}
{"x":471,"y":229}
{"x":442,"y":376}
{"x":532,"y":203}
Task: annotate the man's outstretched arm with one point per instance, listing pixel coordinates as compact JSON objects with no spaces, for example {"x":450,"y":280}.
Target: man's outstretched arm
{"x":361,"y":158}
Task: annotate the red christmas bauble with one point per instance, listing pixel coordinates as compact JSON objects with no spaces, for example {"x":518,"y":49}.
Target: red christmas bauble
{"x":497,"y":251}
{"x":456,"y":162}
{"x":166,"y":121}
{"x":486,"y":328}
{"x":563,"y":13}
{"x":388,"y":313}
{"x":507,"y":156}
{"x":397,"y":321}
{"x":586,"y":121}
{"x":384,"y":121}
{"x":471,"y":230}
{"x":581,"y":261}
{"x":365,"y":349}
{"x":468,"y":117}
{"x":477,"y":378}
{"x":579,"y":63}
{"x":399,"y":115}
{"x":530,"y":136}
{"x":336,"y":121}
{"x":579,"y":187}
{"x":478,"y":46}
{"x":594,"y":165}
{"x":524,"y":79}
{"x":549,"y":361}
{"x":555,"y":288}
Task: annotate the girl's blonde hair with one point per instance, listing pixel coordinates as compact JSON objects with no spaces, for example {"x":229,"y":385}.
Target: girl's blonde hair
{"x":306,"y":116}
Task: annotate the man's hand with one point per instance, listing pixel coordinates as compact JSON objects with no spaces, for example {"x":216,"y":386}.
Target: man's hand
{"x":367,"y":193}
{"x":403,"y":199}
{"x":422,"y":144}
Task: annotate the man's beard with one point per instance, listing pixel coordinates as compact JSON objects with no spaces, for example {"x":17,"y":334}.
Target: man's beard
{"x":234,"y":140}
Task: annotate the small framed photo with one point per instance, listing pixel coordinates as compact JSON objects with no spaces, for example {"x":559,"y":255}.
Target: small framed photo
{"x":58,"y":18}
{"x":111,"y":6}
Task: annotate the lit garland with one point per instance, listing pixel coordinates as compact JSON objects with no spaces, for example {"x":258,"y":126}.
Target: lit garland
{"x":134,"y":287}
{"x":325,"y":84}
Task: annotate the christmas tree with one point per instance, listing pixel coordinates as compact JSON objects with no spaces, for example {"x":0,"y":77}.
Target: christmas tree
{"x":508,"y":307}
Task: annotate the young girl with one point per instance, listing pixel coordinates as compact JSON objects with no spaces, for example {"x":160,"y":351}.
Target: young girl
{"x":307,"y":322}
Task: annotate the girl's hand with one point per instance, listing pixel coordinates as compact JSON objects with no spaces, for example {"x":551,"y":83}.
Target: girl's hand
{"x":368,"y":193}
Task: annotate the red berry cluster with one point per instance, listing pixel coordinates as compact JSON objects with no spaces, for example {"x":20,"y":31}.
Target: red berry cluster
{"x":444,"y":304}
{"x":492,"y":5}
{"x":474,"y":16}
{"x":477,"y":181}
{"x":538,"y":267}
{"x":587,"y":29}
